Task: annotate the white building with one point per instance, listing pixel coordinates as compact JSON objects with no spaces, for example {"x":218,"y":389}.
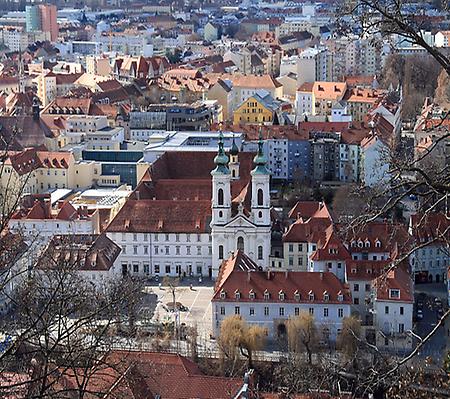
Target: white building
{"x":393,"y":300}
{"x":430,"y":262}
{"x":270,"y":299}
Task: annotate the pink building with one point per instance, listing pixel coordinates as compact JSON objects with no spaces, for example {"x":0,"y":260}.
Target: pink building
{"x":48,"y":20}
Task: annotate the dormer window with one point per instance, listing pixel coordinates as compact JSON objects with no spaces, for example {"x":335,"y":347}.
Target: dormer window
{"x":223,"y":294}
{"x":297,"y":295}
{"x":394,"y":293}
{"x":367,"y":244}
{"x":251,"y":294}
{"x":369,"y":271}
{"x":378,"y":244}
{"x":237,"y":295}
{"x":353,"y":243}
{"x":311,"y":295}
{"x":353,"y":271}
{"x":360,"y":244}
{"x":281,"y":296}
{"x":326,"y":296}
{"x":340,"y":296}
{"x":266,"y":295}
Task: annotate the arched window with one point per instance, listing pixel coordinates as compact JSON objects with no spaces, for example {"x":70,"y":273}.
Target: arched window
{"x":240,"y":243}
{"x":220,"y":196}
{"x":220,"y":251}
{"x":260,"y":252}
{"x":260,"y":197}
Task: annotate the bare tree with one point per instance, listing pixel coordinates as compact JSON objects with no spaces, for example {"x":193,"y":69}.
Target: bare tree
{"x":302,"y":334}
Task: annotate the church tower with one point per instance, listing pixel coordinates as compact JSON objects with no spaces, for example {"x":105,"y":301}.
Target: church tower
{"x":260,"y":188}
{"x":234,"y":161}
{"x":221,"y":187}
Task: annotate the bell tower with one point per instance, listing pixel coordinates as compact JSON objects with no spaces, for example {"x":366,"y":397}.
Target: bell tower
{"x":221,"y":187}
{"x":234,"y":161}
{"x":260,"y":187}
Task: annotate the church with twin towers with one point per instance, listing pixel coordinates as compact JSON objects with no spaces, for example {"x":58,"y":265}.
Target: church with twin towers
{"x":240,"y":219}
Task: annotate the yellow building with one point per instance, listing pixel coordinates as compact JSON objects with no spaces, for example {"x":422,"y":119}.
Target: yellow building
{"x":259,"y":108}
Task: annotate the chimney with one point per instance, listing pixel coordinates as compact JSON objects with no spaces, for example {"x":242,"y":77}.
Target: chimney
{"x":321,"y":276}
{"x":248,"y":276}
{"x":137,"y":194}
{"x":286,"y":274}
{"x":268,"y":274}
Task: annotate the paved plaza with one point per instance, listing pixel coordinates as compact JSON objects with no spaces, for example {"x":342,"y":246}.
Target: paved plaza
{"x":197,"y":301}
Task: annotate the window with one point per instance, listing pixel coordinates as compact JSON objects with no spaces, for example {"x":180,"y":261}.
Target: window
{"x":311,"y":296}
{"x":237,"y":310}
{"x":325,"y":312}
{"x":252,"y":311}
{"x":167,"y":250}
{"x":281,"y":296}
{"x":291,"y":247}
{"x":311,"y":311}
{"x":260,"y":252}
{"x":340,"y":313}
{"x":188,"y":250}
{"x":177,"y":250}
{"x":356,"y":287}
{"x":222,"y":310}
{"x":167,"y":237}
{"x":156,"y":269}
{"x":266,"y":311}
{"x":146,"y":268}
{"x":145,"y":250}
{"x":223,"y":294}
{"x":135,"y":268}
{"x":402,"y":310}
{"x":145,"y":237}
{"x":291,"y":260}
{"x":281,"y":311}
{"x":401,"y":328}
{"x":240,"y":244}
{"x":134,"y":237}
{"x":177,"y":237}
{"x":355,"y":301}
{"x":367,"y":287}
{"x":300,"y":247}
{"x":156,"y":250}
{"x":220,"y":196}
{"x":296,"y":311}
{"x":220,"y":251}
{"x":260,"y":197}
{"x":237,"y":295}
{"x":326,"y":296}
{"x":386,"y":310}
{"x":339,"y":265}
{"x":394,"y":293}
{"x":199,"y":250}
{"x":266,"y":295}
{"x":156,"y":238}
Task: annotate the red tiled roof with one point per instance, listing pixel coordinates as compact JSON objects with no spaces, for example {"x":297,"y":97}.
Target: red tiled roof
{"x":240,"y":274}
{"x":430,"y":227}
{"x":304,"y":209}
{"x":179,"y":216}
{"x":396,"y":278}
{"x":366,"y":270}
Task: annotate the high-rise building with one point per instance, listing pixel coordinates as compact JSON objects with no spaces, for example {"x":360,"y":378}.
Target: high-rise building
{"x":49,"y":22}
{"x":32,"y":18}
{"x":42,"y":17}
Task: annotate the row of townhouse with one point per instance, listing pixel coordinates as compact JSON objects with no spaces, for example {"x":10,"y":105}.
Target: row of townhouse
{"x":381,"y":295}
